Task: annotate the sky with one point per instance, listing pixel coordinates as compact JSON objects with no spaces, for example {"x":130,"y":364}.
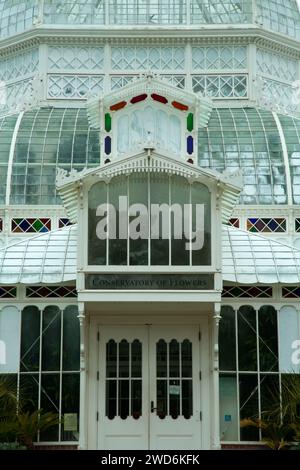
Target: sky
{"x":298,"y":2}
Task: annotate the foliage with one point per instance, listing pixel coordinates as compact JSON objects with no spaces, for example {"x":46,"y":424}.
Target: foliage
{"x":18,"y":426}
{"x":280,"y":426}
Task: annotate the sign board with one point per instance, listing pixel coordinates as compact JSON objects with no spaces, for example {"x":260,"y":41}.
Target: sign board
{"x":193,"y":282}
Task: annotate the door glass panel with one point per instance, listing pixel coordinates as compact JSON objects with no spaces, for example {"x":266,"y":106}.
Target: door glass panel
{"x":123,"y":379}
{"x":174,"y":391}
{"x":161,"y":358}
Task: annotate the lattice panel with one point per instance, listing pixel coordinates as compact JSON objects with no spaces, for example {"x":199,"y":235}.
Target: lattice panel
{"x":13,"y":97}
{"x":219,"y":58}
{"x":75,"y":58}
{"x":8,"y":292}
{"x":221,"y":86}
{"x":31,"y":225}
{"x":51,"y":291}
{"x":234,"y":222}
{"x":275,"y":95}
{"x":291,"y":292}
{"x":256,"y":225}
{"x":20,"y":65}
{"x":1,"y":225}
{"x":176,"y":80}
{"x":119,"y":81}
{"x":277,"y":66}
{"x":297,"y":225}
{"x":249,"y":292}
{"x":148,"y":58}
{"x":74,"y":86}
{"x":64,"y":223}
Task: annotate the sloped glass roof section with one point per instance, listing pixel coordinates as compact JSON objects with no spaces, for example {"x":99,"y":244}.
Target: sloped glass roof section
{"x":51,"y":258}
{"x":278,"y":15}
{"x":17,"y":16}
{"x":245,"y":138}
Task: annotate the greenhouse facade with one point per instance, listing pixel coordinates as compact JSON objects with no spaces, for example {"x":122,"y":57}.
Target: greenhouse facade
{"x":149,"y":216}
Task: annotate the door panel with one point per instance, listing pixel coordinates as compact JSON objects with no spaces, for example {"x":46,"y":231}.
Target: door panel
{"x":149,"y":388}
{"x":174,"y":388}
{"x":123,"y":386}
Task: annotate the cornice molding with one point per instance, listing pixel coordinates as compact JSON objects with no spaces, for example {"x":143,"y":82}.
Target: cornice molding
{"x":153,"y":36}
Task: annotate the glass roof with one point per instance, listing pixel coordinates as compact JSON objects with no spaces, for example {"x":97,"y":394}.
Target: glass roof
{"x":245,"y":138}
{"x":19,"y":15}
{"x":51,"y":258}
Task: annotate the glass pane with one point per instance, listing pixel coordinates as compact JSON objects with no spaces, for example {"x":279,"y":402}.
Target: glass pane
{"x":51,"y":338}
{"x":161,"y":358}
{"x":227,"y":344}
{"x":269,"y":393}
{"x":50,"y":402}
{"x":228,"y":408}
{"x":201,"y":242}
{"x":70,"y":405}
{"x":187,"y":398}
{"x":161,"y":398}
{"x":174,"y":358}
{"x":96,"y":246}
{"x":247,"y":339}
{"x":174,"y":398}
{"x":136,"y":398}
{"x":124,"y":358}
{"x":10,"y":328}
{"x":268,"y":338}
{"x":160,"y":226}
{"x":118,"y":242}
{"x":71,"y":340}
{"x":139,"y":219}
{"x":136,"y":359}
{"x":186,"y":358}
{"x":111,"y":359}
{"x":30,"y":339}
{"x":124,"y":398}
{"x":180,"y":195}
{"x":249,"y":404}
{"x":29,"y":391}
{"x":111,"y":399}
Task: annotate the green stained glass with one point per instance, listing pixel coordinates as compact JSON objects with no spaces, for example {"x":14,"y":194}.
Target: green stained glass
{"x":107,"y":122}
{"x":37,"y":225}
{"x":190,"y":122}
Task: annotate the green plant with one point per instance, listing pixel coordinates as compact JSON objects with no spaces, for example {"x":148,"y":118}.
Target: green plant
{"x":280,"y":425}
{"x":19,"y":426}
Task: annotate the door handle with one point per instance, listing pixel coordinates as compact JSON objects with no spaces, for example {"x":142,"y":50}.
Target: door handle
{"x":153,"y":407}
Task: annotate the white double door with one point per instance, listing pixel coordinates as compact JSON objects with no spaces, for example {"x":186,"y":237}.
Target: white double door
{"x":149,"y":388}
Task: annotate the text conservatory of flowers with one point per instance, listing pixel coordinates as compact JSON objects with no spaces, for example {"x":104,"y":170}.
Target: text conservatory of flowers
{"x":149,"y":216}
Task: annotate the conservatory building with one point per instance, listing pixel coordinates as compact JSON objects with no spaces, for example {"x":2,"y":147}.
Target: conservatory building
{"x":149,"y":216}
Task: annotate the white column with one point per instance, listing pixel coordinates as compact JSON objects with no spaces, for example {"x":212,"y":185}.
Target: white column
{"x":216,"y":444}
{"x":82,"y":420}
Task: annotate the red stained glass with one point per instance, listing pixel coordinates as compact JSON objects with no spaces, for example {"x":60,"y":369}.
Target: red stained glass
{"x":117,"y":106}
{"x":180,"y":106}
{"x":138,"y":99}
{"x":159,"y":98}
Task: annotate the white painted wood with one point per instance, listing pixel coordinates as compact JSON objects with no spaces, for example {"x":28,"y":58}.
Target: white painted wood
{"x":149,"y":431}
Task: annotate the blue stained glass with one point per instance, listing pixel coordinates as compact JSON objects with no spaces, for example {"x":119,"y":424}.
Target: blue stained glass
{"x":24,"y":225}
{"x":253,"y":221}
{"x":273,"y":225}
{"x":190,"y":145}
{"x":107,"y":145}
